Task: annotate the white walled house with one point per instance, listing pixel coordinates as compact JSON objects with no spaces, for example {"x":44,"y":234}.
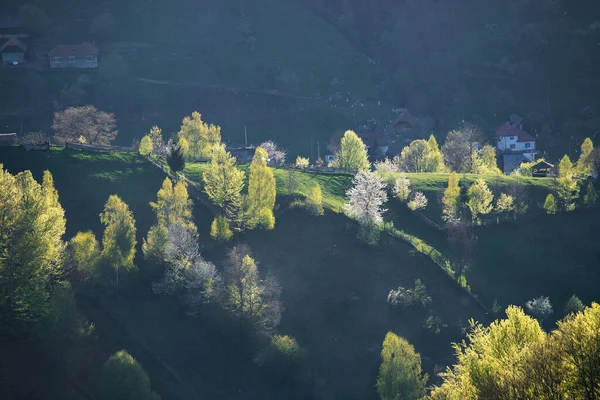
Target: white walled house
{"x":512,"y":139}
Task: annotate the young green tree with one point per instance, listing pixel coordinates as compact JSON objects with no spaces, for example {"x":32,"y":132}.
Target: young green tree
{"x":400,"y":375}
{"x":219,"y":229}
{"x":416,"y":157}
{"x":173,"y":204}
{"x":266,"y":219}
{"x":585,"y":164}
{"x":402,"y":187}
{"x":451,"y":197}
{"x":435,"y":163}
{"x":261,"y":188}
{"x":567,"y":191}
{"x":197,"y":137}
{"x":86,"y":255}
{"x":565,"y":167}
{"x":250,"y":299}
{"x":32,"y":224}
{"x":484,"y":161}
{"x":118,"y":241}
{"x":145,"y":146}
{"x":480,"y":199}
{"x":123,"y":378}
{"x":458,"y":149}
{"x":352,"y":153}
{"x":302,"y":162}
{"x":314,"y":201}
{"x":176,"y":159}
{"x":550,"y":204}
{"x":591,"y":196}
{"x":505,"y":203}
{"x":574,"y":305}
{"x":223,"y":182}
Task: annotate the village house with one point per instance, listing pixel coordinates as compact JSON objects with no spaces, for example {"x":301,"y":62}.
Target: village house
{"x":84,"y":55}
{"x":514,"y":144}
{"x":542,"y":169}
{"x":12,"y":52}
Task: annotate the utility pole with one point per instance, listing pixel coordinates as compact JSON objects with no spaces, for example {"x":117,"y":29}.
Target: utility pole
{"x":318,"y":150}
{"x":311,"y":150}
{"x":245,"y":135}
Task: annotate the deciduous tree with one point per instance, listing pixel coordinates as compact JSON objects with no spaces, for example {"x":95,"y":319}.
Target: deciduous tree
{"x":302,"y":162}
{"x":550,"y":204}
{"x":158,"y":145}
{"x":96,"y":127}
{"x":145,"y":146}
{"x":219,"y":229}
{"x":400,"y":374}
{"x":585,"y":164}
{"x":415,"y":157}
{"x":314,"y":201}
{"x":223,"y":181}
{"x":86,"y":255}
{"x":402,"y":187}
{"x":198,"y":138}
{"x":435,"y":163}
{"x":565,"y":167}
{"x":32,"y":224}
{"x":574,"y":305}
{"x":539,"y":307}
{"x":591,"y":196}
{"x":480,"y":199}
{"x":505,"y":203}
{"x":261,"y":187}
{"x":276,"y":156}
{"x":451,"y":197}
{"x":366,"y":198}
{"x":418,"y":202}
{"x":459,"y":148}
{"x":122,"y":377}
{"x":118,"y":241}
{"x":352,"y":154}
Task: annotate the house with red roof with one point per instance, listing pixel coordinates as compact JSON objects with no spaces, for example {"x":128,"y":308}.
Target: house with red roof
{"x":84,"y":55}
{"x":515,"y":144}
{"x":13,"y":52}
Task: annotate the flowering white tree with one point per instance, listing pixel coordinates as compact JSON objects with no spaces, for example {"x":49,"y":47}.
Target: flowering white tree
{"x":276,"y":155}
{"x":418,"y":202}
{"x":366,"y":197}
{"x":187,"y":273}
{"x":402,"y":187}
{"x":539,"y":307}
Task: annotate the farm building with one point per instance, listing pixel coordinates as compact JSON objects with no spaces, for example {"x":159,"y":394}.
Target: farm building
{"x":84,"y":55}
{"x":542,"y":169}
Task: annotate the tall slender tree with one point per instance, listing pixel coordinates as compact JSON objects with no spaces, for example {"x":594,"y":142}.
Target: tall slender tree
{"x":119,"y":240}
{"x":223,"y":182}
{"x":261,"y":188}
{"x":480,"y":200}
{"x":198,"y":138}
{"x":352,"y":153}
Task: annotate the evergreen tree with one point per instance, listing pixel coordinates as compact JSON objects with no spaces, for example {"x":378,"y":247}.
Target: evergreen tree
{"x":176,"y":159}
{"x":400,"y":375}
{"x":223,"y":182}
{"x":314,"y":201}
{"x":32,"y":224}
{"x":352,"y":154}
{"x":119,"y":240}
{"x":573,"y":305}
{"x":86,"y":255}
{"x":197,"y":138}
{"x":585,"y":164}
{"x":451,"y":197}
{"x":219,"y":229}
{"x":145,"y":146}
{"x":550,"y":204}
{"x":480,"y":199}
{"x":123,"y":378}
{"x":590,"y":196}
{"x":261,"y":188}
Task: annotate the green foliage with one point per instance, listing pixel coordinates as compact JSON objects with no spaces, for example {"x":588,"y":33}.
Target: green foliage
{"x":266,"y":219}
{"x":567,"y":191}
{"x":434,"y":324}
{"x":565,"y":167}
{"x":86,"y":255}
{"x":158,"y":144}
{"x":591,"y":196}
{"x":287,"y":347}
{"x":123,"y":378}
{"x":176,"y":159}
{"x":369,"y":233}
{"x":402,"y":187}
{"x":219,"y":229}
{"x":484,"y":161}
{"x":119,"y":240}
{"x":314,"y":201}
{"x":400,"y":375}
{"x":32,"y":224}
{"x":574,"y":305}
{"x":435,"y":163}
{"x":585,"y":164}
{"x":416,"y":157}
{"x":85,"y":125}
{"x":33,"y":18}
{"x":480,"y":199}
{"x":302,"y":162}
{"x":197,"y":138}
{"x":352,"y":154}
{"x":550,"y":204}
{"x":146,"y":146}
{"x":459,"y":148}
{"x":223,"y":182}
{"x":451,"y":196}
{"x":505,"y":203}
{"x":261,"y":188}
{"x":62,"y":319}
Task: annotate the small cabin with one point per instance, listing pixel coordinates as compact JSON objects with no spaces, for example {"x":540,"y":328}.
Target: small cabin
{"x":243,"y":153}
{"x":542,"y":169}
{"x":12,"y":52}
{"x":8,"y":139}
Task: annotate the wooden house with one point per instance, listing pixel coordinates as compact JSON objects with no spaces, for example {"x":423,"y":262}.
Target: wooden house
{"x":542,"y":169}
{"x":80,"y":56}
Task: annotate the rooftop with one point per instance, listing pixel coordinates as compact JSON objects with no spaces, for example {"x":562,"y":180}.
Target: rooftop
{"x":14,"y":42}
{"x":83,"y":49}
{"x":509,"y":129}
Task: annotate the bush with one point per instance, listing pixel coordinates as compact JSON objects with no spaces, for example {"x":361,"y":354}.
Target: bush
{"x":266,"y":219}
{"x":434,"y":324}
{"x":302,"y":162}
{"x":369,"y":233}
{"x":123,"y":378}
{"x":409,"y":297}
